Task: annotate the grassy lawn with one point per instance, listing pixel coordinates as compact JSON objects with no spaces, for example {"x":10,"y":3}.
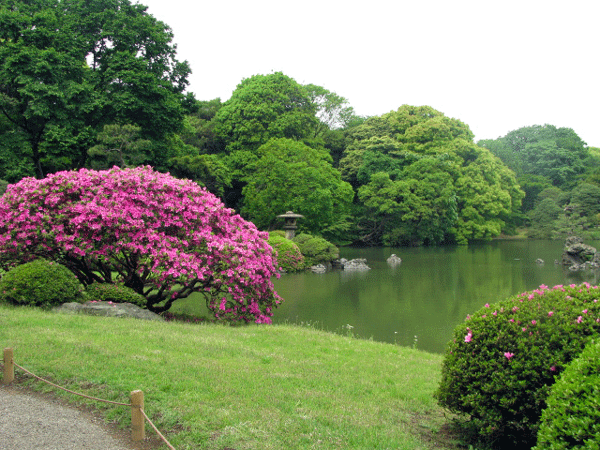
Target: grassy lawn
{"x":251,"y":387}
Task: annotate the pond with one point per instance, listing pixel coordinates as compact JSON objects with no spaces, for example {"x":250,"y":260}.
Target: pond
{"x":419,"y":302}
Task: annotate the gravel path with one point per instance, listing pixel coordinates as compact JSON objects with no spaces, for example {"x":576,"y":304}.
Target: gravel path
{"x":30,"y":420}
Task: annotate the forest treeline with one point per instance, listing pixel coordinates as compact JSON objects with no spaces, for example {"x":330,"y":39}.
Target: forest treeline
{"x":97,"y":83}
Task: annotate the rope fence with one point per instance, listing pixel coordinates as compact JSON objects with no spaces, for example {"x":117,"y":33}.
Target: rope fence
{"x":138,"y":416}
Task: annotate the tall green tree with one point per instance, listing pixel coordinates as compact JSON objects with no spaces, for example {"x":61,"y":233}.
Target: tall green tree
{"x":199,"y":128}
{"x":263,"y":107}
{"x":289,"y":175}
{"x":558,"y":154}
{"x":207,"y":170}
{"x":119,"y":145}
{"x":71,"y":66}
{"x":418,"y":207}
{"x":332,"y":110}
{"x":422,"y":180}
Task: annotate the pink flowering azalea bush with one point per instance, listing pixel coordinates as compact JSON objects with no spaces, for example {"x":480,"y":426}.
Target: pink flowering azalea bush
{"x":503,"y":360}
{"x":160,"y":236}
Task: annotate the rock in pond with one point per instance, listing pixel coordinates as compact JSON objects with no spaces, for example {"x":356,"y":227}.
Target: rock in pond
{"x":354,"y":264}
{"x":394,"y":260}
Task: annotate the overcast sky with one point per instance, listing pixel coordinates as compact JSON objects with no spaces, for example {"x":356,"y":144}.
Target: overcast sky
{"x":495,"y":65}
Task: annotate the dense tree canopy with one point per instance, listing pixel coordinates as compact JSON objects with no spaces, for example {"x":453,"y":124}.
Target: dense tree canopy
{"x":292,"y":176}
{"x":119,"y":145}
{"x":96,"y":83}
{"x":555,"y":153}
{"x":422,"y":180}
{"x":69,"y":67}
{"x":263,"y":107}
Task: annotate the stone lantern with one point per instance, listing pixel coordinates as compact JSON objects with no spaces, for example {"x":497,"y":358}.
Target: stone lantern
{"x":290,"y":223}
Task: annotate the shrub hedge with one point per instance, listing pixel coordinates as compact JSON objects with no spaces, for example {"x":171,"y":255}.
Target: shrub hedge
{"x":572,"y":418}
{"x":498,"y":369}
{"x":315,"y":249}
{"x":116,"y":293}
{"x":40,"y":283}
{"x":289,"y":257}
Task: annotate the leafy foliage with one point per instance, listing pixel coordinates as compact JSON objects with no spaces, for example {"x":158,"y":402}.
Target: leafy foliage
{"x":571,"y":419}
{"x":116,"y":293}
{"x":500,"y":365}
{"x":316,"y":250}
{"x":555,"y":153}
{"x":289,"y":257}
{"x":263,"y":107}
{"x":332,"y":110}
{"x":421,"y":180}
{"x":543,"y":218}
{"x":290,"y":176}
{"x":163,"y":237}
{"x":69,"y":67}
{"x":40,"y":283}
{"x":207,"y":170}
{"x":559,"y":214}
{"x":119,"y":145}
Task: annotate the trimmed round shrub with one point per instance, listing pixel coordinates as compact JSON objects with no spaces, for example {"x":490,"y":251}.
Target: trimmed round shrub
{"x":498,"y":369}
{"x":289,"y":257}
{"x":105,"y":292}
{"x":572,"y":418}
{"x":316,"y":250}
{"x":40,"y":283}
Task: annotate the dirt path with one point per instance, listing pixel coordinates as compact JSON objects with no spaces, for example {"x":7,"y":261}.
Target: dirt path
{"x":31,"y":420}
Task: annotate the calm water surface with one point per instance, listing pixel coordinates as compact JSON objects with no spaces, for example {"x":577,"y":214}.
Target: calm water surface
{"x":426,"y":296}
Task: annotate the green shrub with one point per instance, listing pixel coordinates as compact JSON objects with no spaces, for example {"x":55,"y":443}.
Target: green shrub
{"x":498,"y":369}
{"x":289,"y":257}
{"x":572,"y":418}
{"x":316,"y":250}
{"x":105,"y":292}
{"x":40,"y":283}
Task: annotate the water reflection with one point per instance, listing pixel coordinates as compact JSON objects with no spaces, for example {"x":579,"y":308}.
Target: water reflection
{"x":425,"y":296}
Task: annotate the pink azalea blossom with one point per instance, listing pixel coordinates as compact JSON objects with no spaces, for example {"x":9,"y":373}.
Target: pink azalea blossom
{"x":469,"y":336}
{"x":580,"y":319}
{"x":550,"y":313}
{"x":509,"y":355}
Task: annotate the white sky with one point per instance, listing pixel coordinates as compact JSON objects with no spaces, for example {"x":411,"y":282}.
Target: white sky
{"x":495,"y":65}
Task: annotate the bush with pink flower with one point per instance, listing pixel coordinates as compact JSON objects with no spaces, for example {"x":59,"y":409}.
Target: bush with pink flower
{"x":160,"y":236}
{"x":498,"y":369}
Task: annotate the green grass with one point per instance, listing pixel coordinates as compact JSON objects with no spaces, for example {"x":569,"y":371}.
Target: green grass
{"x":251,"y":387}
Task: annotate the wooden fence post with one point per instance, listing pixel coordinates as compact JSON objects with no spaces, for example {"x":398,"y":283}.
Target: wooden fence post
{"x":138,"y":429}
{"x":9,"y":366}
